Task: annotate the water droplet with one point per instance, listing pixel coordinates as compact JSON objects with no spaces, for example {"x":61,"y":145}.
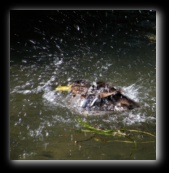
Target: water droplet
{"x":77,"y":27}
{"x":47,"y":134}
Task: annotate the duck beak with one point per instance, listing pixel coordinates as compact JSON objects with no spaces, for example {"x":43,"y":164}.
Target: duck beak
{"x":64,"y":88}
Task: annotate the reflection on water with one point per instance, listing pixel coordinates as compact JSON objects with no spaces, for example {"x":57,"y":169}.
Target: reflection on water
{"x":55,"y":48}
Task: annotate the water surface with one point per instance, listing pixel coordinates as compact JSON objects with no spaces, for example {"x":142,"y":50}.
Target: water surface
{"x":51,"y":48}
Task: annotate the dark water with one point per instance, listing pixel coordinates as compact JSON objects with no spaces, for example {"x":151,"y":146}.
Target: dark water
{"x":51,"y":48}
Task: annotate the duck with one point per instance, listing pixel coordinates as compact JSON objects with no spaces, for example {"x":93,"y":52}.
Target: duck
{"x":96,"y":97}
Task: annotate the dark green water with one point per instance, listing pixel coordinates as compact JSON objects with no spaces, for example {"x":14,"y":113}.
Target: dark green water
{"x":53,"y":48}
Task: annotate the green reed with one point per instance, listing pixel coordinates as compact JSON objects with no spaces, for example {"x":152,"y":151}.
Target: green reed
{"x":129,"y":134}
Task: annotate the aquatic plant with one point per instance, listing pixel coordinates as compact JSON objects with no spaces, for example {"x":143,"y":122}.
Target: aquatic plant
{"x":132,"y":135}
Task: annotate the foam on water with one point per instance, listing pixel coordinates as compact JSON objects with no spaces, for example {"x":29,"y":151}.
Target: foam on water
{"x":136,"y":118}
{"x":132,"y":91}
{"x":50,"y":97}
{"x":128,"y":118}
